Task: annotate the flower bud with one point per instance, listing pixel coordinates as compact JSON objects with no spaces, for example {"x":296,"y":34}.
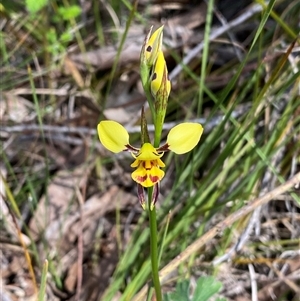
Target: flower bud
{"x":160,"y":83}
{"x":153,"y":46}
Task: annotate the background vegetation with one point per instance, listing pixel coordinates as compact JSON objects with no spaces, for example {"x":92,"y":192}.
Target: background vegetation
{"x":226,"y":210}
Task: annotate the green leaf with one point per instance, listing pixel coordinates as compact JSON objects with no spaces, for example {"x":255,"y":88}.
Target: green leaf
{"x":66,"y":37}
{"x":34,"y":6}
{"x":42,"y":291}
{"x":182,"y":292}
{"x":206,"y":287}
{"x":71,"y":12}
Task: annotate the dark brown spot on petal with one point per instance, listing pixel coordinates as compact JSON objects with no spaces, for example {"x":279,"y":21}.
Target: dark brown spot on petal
{"x":154,"y":179}
{"x":141,"y":179}
{"x":149,"y":48}
{"x":154,"y":76}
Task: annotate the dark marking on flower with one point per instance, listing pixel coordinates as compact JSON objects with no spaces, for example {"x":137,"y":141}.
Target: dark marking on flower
{"x":131,"y":148}
{"x":141,"y":195}
{"x":141,"y":179}
{"x":155,"y":194}
{"x":154,"y":76}
{"x":163,"y":148}
{"x":149,"y":48}
{"x":148,"y":165}
{"x":154,"y":179}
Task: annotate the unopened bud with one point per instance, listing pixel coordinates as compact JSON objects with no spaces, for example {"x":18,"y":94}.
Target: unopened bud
{"x":153,"y":46}
{"x":160,"y":83}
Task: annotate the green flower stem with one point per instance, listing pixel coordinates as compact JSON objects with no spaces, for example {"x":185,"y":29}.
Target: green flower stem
{"x":145,"y":71}
{"x":157,"y":133}
{"x":150,"y":102}
{"x":153,"y":246}
{"x":158,"y":126}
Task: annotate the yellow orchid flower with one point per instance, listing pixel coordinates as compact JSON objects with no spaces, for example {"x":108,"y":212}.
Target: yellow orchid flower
{"x":181,"y":139}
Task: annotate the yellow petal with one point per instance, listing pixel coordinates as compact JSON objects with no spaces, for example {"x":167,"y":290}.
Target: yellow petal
{"x":148,"y":152}
{"x":154,"y":46}
{"x":155,"y":175}
{"x":184,"y":137}
{"x":136,"y":163}
{"x":113,"y":136}
{"x":147,"y":177}
{"x":160,"y":163}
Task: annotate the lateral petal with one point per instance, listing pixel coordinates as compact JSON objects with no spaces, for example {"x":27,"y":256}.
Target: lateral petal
{"x":113,"y":136}
{"x":184,"y":137}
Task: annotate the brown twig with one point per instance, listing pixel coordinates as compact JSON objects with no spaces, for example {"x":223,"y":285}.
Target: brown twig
{"x":80,"y":197}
